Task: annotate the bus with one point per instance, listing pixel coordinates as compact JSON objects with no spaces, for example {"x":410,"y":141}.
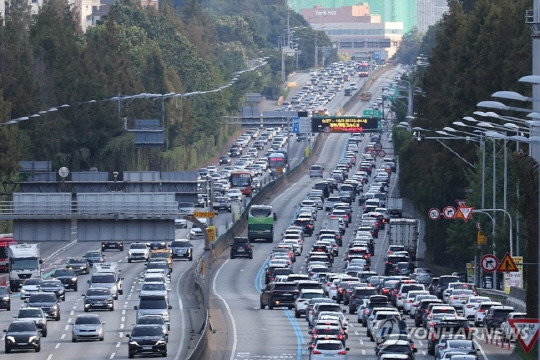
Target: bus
{"x":243,"y":180}
{"x":363,"y":69}
{"x":277,"y":162}
{"x":261,"y":220}
{"x":5,"y":241}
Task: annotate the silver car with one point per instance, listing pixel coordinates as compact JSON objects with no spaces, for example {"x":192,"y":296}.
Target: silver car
{"x":87,"y":327}
{"x":328,"y":350}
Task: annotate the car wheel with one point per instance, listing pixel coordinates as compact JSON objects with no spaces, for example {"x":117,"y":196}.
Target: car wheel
{"x":270,"y":307}
{"x":368,"y":333}
{"x":131,"y":355}
{"x":129,"y":260}
{"x":64,"y":298}
{"x":86,"y":309}
{"x":76,"y":288}
{"x":57,"y":318}
{"x":44,"y":333}
{"x":351,"y":311}
{"x":112,"y":308}
{"x":102,"y":338}
{"x":73,"y":339}
{"x":476,"y":323}
{"x":431,"y":351}
{"x":364,"y":323}
{"x":232,"y":256}
{"x":262,"y":306}
{"x":164,"y":354}
{"x":251,"y":256}
{"x":38,"y":348}
{"x":8,"y":349}
{"x":121,"y":292}
{"x":297,"y":314}
{"x":8,"y":308}
{"x":190,"y":258}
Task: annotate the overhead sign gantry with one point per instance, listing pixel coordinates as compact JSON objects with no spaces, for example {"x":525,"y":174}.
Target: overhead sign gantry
{"x":344,"y":124}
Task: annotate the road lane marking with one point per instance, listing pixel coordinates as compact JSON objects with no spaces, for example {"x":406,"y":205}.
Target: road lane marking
{"x":227,"y":307}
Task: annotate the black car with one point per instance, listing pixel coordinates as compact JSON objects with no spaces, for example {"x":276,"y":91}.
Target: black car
{"x":105,"y":245}
{"x":225,"y":160}
{"x":279,"y":294}
{"x":67,"y":277}
{"x":98,"y":299}
{"x":54,"y":286}
{"x":448,"y":327}
{"x":5,"y":298}
{"x":157,"y":245}
{"x":94,"y":256}
{"x":241,"y":247}
{"x":222,"y":203}
{"x":48,"y":302}
{"x":78,"y":265}
{"x":182,"y":249}
{"x":147,"y":339}
{"x":22,"y":335}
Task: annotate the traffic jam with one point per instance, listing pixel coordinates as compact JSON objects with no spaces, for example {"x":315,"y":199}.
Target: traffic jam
{"x":347,"y":265}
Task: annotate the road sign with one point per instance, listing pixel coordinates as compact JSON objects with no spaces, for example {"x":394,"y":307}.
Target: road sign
{"x":344,"y":124}
{"x":460,"y":202}
{"x":507,"y":264}
{"x":526,"y":331}
{"x":377,"y":146}
{"x":305,"y":125}
{"x":434,"y":213}
{"x":204,"y":214}
{"x":464,"y":212}
{"x":449,"y":212}
{"x":296,"y":125}
{"x":489,"y":263}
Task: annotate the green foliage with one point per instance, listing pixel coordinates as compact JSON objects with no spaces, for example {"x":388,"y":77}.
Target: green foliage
{"x":408,"y":48}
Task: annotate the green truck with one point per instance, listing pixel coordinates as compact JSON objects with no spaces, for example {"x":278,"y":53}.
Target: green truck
{"x":261,"y":220}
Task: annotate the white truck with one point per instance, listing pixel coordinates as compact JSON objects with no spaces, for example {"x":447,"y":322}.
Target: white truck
{"x":24,"y":263}
{"x":107,"y":275}
{"x":394,"y":206}
{"x":404,"y":231}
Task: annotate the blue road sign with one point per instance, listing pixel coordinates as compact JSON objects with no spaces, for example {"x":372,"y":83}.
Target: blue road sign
{"x":296,"y":125}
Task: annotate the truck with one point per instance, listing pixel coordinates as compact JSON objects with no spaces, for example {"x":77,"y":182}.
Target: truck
{"x":394,"y":207}
{"x":365,"y":96}
{"x":5,"y":241}
{"x":24,"y":263}
{"x":107,"y":275}
{"x":404,"y":231}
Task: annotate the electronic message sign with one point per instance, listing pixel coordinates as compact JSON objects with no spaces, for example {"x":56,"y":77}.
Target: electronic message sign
{"x":343,"y":124}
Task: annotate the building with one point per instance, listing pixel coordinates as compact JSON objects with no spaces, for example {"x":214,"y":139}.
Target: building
{"x":356,"y":31}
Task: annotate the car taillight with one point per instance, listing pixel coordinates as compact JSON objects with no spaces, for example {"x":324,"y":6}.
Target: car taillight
{"x":340,"y":337}
{"x":342,"y":352}
{"x":482,"y":310}
{"x":316,"y":352}
{"x":433,"y":337}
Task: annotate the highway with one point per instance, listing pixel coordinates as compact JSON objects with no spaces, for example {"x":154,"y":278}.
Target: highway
{"x":243,"y":331}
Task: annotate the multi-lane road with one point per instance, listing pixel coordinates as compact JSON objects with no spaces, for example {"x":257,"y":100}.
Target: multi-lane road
{"x":241,"y":329}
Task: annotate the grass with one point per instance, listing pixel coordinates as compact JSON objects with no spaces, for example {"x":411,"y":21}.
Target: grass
{"x":522,"y":355}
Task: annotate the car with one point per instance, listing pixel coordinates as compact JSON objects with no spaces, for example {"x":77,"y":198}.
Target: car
{"x":147,"y":339}
{"x":241,"y":247}
{"x":482,"y":310}
{"x":36,"y":315}
{"x":301,"y":302}
{"x":376,"y":319}
{"x":180,"y":223}
{"x":471,"y":305}
{"x":447,"y":327}
{"x":54,"y":286}
{"x":67,"y":277}
{"x":463,"y":346}
{"x":222,"y":203}
{"x":402,"y":347}
{"x":496,"y":315}
{"x":118,"y":245}
{"x":30,"y":286}
{"x":154,"y":288}
{"x":138,"y":251}
{"x":98,"y":299}
{"x":458,"y":297}
{"x":22,"y":335}
{"x":234,"y":194}
{"x":181,"y":249}
{"x":154,"y":305}
{"x":153,"y":320}
{"x":5,"y":298}
{"x":225,"y":160}
{"x":94,"y":256}
{"x":87,"y":327}
{"x":328,"y":350}
{"x":508,"y":333}
{"x":327,"y":332}
{"x":48,"y":302}
{"x":279,"y":294}
{"x":80,"y":265}
{"x":316,"y":171}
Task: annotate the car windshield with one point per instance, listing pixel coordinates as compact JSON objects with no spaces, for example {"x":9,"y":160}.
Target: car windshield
{"x":151,"y":320}
{"x":153,"y":287}
{"x":51,"y":283}
{"x":58,"y":273}
{"x":151,"y":303}
{"x":76,"y":261}
{"x":103,"y":278}
{"x":329,"y":346}
{"x":30,"y":313}
{"x":49,"y":297}
{"x":97,"y":292}
{"x":24,"y":264}
{"x":87,"y":320}
{"x":138,"y":246}
{"x":22,"y":326}
{"x":93,"y":254}
{"x":33,"y":282}
{"x":147,"y":331}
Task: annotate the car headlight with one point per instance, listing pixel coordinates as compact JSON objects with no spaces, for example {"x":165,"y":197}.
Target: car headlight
{"x":5,"y":298}
{"x":161,"y":342}
{"x":132,"y":342}
{"x":32,"y":338}
{"x":74,"y":279}
{"x":10,"y":338}
{"x":23,"y":291}
{"x":54,"y":307}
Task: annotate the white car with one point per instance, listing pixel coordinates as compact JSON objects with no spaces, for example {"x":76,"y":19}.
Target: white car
{"x":138,"y":251}
{"x":154,"y":289}
{"x":471,"y":305}
{"x":508,"y":333}
{"x":29,"y":287}
{"x":409,"y":300}
{"x":373,"y":324}
{"x":234,"y":194}
{"x":482,"y":310}
{"x":458,"y":298}
{"x":328,"y":350}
